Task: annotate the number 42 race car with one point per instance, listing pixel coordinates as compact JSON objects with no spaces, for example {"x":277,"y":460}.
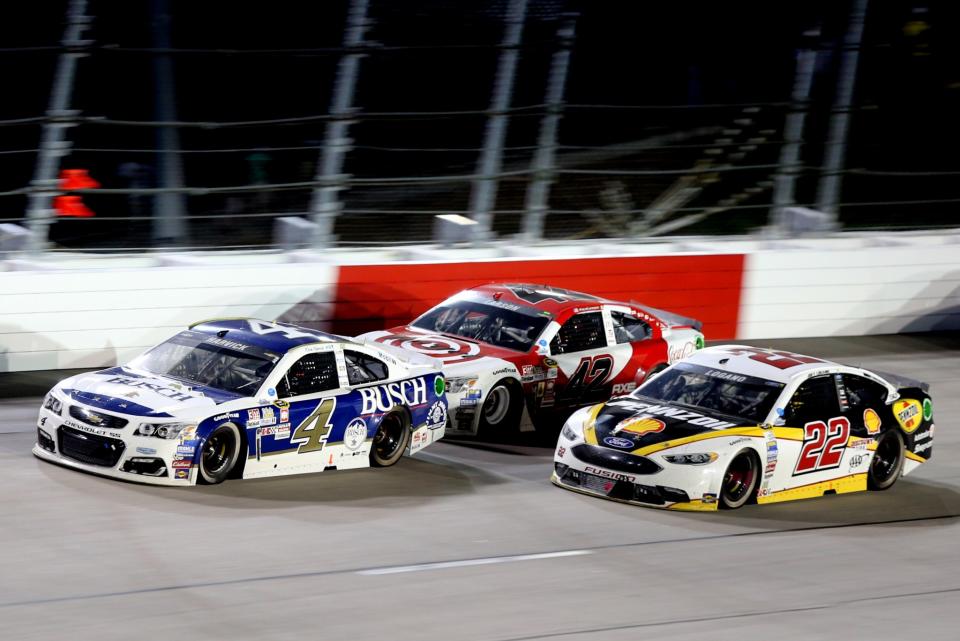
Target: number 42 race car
{"x":734,"y":424}
{"x":247,"y":397}
{"x":515,"y":353}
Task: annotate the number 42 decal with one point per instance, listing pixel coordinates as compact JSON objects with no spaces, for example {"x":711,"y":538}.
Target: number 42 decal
{"x":823,"y":445}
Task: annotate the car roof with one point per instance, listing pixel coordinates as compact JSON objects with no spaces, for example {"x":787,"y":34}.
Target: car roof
{"x":267,"y":335}
{"x":771,"y":364}
{"x":557,"y":301}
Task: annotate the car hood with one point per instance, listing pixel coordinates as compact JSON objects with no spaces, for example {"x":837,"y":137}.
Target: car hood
{"x":128,"y":392}
{"x":450,"y":350}
{"x":628,"y":423}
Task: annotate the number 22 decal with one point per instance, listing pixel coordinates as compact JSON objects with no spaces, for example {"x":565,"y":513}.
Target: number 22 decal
{"x":823,"y":445}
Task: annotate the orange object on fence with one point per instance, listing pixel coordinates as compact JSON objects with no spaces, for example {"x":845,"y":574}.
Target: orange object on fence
{"x":71,"y":179}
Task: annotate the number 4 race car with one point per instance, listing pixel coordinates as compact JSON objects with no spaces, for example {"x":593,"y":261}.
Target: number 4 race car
{"x":733,"y":424}
{"x":246,"y":397}
{"x":517,"y":353}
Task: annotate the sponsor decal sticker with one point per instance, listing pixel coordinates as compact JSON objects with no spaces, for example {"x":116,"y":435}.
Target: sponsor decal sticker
{"x":180,"y":462}
{"x":184,"y":450}
{"x":927,"y":409}
{"x":384,"y":398}
{"x":682,"y":415}
{"x":623,"y":388}
{"x":284,"y":414}
{"x":640,"y":425}
{"x":617,"y":476}
{"x":355,"y":434}
{"x":268,"y":416}
{"x":436,"y":416}
{"x":871,"y":420}
{"x":709,"y":499}
{"x":561,"y":452}
{"x":181,"y":474}
{"x":908,"y":413}
{"x":616,"y":441}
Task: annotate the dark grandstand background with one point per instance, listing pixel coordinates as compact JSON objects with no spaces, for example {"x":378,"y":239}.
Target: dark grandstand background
{"x":682,"y":53}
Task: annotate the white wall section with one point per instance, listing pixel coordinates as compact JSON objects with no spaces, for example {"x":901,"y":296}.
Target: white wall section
{"x":833,"y":289}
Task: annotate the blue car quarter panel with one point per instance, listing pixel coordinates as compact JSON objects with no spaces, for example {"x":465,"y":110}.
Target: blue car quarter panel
{"x":336,"y":431}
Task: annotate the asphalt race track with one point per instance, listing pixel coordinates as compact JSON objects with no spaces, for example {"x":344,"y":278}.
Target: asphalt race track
{"x":472,"y":542}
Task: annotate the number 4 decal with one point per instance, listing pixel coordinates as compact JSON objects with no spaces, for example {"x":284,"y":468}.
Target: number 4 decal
{"x":823,"y":445}
{"x":311,"y":434}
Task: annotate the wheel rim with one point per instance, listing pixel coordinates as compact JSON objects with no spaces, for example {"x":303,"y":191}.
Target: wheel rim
{"x":389,"y":437}
{"x":738,"y":480}
{"x":885,"y":458}
{"x":217,"y":451}
{"x":497,"y":405}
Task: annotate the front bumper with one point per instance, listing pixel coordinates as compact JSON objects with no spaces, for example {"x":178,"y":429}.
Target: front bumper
{"x":114,"y":454}
{"x":643,"y":482}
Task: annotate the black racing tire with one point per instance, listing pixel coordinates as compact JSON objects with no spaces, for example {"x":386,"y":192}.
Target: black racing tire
{"x":501,"y":410}
{"x":391,"y":439}
{"x":740,"y":480}
{"x":887,"y":462}
{"x":219,"y":454}
{"x":656,"y":370}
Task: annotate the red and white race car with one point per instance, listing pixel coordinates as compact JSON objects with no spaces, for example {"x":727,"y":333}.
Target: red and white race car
{"x":518,"y":353}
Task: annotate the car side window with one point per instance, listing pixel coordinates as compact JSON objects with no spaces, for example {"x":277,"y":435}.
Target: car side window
{"x":862,"y":393}
{"x":814,"y":400}
{"x":311,"y":374}
{"x":363,"y":368}
{"x":627,"y":329}
{"x":579,"y":333}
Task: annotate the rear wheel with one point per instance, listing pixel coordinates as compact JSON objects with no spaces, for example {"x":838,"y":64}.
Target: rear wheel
{"x":887,"y":462}
{"x":656,"y":370}
{"x":740,"y":480}
{"x":390,"y":440}
{"x":219,"y":454}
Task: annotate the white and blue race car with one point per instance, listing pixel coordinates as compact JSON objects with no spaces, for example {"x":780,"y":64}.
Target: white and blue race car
{"x":245,"y":398}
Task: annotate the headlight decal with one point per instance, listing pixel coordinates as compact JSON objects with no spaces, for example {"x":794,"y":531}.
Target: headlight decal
{"x":168,"y":431}
{"x":53,"y":404}
{"x":695,"y":458}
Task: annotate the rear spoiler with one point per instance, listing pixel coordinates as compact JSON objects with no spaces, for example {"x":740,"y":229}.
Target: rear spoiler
{"x":901,"y":381}
{"x":670,"y":318}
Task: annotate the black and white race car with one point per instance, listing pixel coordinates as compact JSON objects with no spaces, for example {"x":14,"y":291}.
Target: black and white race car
{"x":733,"y":424}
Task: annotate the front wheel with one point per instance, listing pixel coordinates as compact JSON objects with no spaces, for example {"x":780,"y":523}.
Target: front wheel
{"x":219,"y":454}
{"x":740,"y":480}
{"x":887,"y":462}
{"x":501,"y":409}
{"x":391,"y":440}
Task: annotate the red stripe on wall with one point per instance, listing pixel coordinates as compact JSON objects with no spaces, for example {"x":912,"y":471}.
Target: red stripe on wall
{"x":371,"y":297}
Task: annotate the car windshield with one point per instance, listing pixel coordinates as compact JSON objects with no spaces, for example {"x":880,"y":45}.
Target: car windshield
{"x":201,"y":359}
{"x":746,"y":397}
{"x":515,"y":329}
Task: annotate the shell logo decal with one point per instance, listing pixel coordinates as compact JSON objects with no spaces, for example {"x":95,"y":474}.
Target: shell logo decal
{"x":640,"y":425}
{"x":871,"y":420}
{"x":909,"y":414}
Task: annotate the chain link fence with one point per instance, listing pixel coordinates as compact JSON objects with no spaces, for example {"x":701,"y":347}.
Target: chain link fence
{"x":689,"y":167}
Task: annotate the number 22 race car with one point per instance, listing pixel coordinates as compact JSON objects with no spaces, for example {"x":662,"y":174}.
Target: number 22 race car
{"x":734,"y":424}
{"x":246,"y":397}
{"x":516,"y":353}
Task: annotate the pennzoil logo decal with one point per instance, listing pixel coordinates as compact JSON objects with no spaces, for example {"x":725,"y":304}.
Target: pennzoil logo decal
{"x":909,"y":414}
